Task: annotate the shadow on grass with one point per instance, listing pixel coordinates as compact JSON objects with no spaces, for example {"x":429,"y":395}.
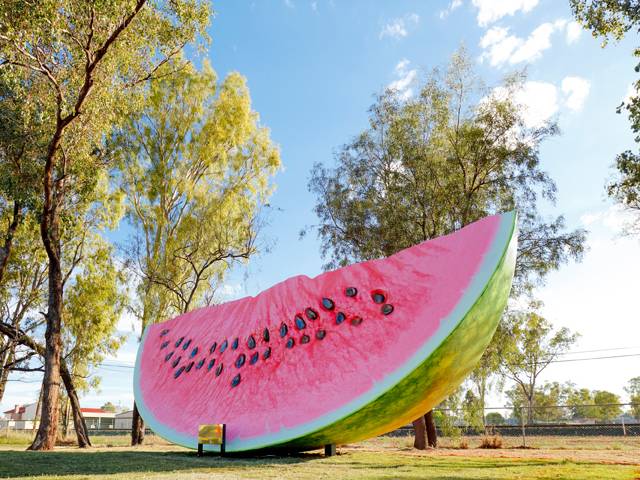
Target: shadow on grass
{"x":16,"y":463}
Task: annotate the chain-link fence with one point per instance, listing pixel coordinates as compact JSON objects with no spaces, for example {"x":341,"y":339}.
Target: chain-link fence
{"x":590,"y":420}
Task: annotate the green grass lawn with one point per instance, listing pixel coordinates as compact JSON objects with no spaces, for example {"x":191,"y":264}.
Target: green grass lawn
{"x":120,"y":464}
{"x":370,"y":460}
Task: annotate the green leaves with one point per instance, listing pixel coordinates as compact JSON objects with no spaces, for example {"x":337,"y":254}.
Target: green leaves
{"x":613,"y":19}
{"x":195,"y":166}
{"x":431,"y":164}
{"x":71,"y":71}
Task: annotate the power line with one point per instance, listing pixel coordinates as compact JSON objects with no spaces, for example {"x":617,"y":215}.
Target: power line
{"x":595,"y":358}
{"x":598,"y":350}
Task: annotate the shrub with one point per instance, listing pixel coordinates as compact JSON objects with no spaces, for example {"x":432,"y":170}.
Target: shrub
{"x":493,"y":441}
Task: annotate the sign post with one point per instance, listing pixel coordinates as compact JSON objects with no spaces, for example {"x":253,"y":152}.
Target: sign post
{"x":212,"y":434}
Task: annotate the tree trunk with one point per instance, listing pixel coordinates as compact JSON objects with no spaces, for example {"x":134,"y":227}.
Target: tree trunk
{"x":420,"y":434}
{"x":48,"y":430}
{"x":5,"y":250}
{"x":530,"y":402}
{"x":4,"y":370}
{"x":82,"y":433}
{"x":432,"y":433}
{"x":36,"y":417}
{"x":137,"y":427}
{"x":65,"y":418}
{"x":19,"y":337}
{"x":425,"y":432}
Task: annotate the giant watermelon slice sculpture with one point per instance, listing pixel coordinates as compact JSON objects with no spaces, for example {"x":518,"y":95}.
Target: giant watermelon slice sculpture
{"x":341,"y":357}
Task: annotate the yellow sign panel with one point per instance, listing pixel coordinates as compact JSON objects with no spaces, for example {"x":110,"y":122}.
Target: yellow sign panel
{"x":211,"y":434}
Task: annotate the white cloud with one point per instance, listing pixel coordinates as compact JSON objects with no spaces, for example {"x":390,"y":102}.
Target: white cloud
{"x":576,"y":90}
{"x":501,"y":47}
{"x":631,"y":93}
{"x":490,"y":11}
{"x":289,"y":3}
{"x":403,"y":85}
{"x":574,"y":30}
{"x":399,"y":27}
{"x":615,"y":219}
{"x":538,"y":101}
{"x":314,"y":6}
{"x":452,"y":6}
{"x":231,"y":290}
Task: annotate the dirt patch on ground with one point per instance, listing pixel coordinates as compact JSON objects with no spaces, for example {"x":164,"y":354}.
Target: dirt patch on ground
{"x":611,"y":457}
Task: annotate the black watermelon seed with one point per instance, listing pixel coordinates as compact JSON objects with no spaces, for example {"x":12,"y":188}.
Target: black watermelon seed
{"x":200,"y":364}
{"x":176,"y":362}
{"x":386,"y":309}
{"x":378,"y":297}
{"x":300,"y":323}
{"x":254,"y":358}
{"x":305,"y":339}
{"x":356,"y":321}
{"x":311,"y":313}
{"x":164,"y":344}
{"x":283,"y":329}
{"x":179,"y":341}
{"x":290,"y":343}
{"x":212,"y":362}
{"x":328,"y":303}
{"x":219,"y":370}
{"x":188,"y":369}
{"x":223,"y":346}
{"x":267,"y":353}
{"x":166,"y":359}
{"x":164,"y":332}
{"x":320,"y":334}
{"x":340,"y":317}
{"x":213,"y":347}
{"x":351,"y":291}
{"x":194,"y":352}
{"x":235,"y":381}
{"x":265,"y":335}
{"x":251,"y":343}
{"x":178,"y":372}
{"x":240,"y":360}
{"x":234,"y":345}
{"x":186,"y":344}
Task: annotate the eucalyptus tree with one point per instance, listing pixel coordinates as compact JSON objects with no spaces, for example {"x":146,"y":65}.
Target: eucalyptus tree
{"x":613,"y":20}
{"x":92,"y":294}
{"x":196,"y":168}
{"x":633,"y":390}
{"x":22,"y":296}
{"x":430,"y":164}
{"x":78,"y":63}
{"x":533,"y":346}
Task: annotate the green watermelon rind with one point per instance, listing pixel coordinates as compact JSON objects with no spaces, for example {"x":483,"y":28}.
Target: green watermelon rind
{"x":430,"y":375}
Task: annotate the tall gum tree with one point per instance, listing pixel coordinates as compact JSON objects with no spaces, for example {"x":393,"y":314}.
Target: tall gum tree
{"x":196,"y":170}
{"x":431,"y":164}
{"x":92,"y":297}
{"x":533,"y":345}
{"x":81,"y":62}
{"x":613,"y":20}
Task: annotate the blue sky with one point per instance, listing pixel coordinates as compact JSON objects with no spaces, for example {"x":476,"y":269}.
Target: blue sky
{"x":313,"y":68}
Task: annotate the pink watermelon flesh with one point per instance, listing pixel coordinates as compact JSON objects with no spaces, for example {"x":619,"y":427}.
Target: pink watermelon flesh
{"x":296,"y":359}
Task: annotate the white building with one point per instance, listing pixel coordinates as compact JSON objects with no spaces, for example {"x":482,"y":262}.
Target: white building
{"x":123,"y":420}
{"x":23,"y":417}
{"x":20,"y":417}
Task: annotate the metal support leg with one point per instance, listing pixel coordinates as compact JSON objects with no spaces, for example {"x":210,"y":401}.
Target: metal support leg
{"x":200,"y":450}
